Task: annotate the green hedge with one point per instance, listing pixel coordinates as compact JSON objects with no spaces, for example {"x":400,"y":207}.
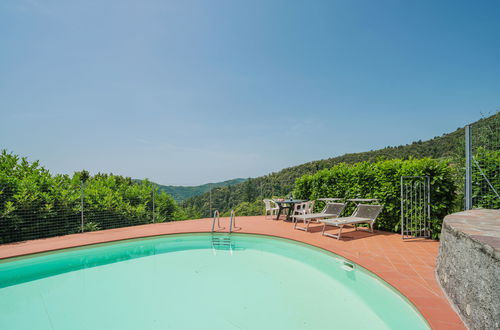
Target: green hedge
{"x":382,"y":180}
{"x":35,"y":204}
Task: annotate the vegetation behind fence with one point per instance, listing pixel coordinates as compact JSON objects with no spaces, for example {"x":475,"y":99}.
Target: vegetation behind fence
{"x":35,"y":204}
{"x":485,"y":163}
{"x":381,"y":180}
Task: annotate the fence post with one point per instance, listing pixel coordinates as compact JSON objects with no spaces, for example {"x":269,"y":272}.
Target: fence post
{"x":210,"y":200}
{"x":153,"y":204}
{"x":468,"y":168}
{"x":82,"y":192}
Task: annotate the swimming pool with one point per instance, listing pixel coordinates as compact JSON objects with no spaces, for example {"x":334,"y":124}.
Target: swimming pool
{"x":197,"y":281}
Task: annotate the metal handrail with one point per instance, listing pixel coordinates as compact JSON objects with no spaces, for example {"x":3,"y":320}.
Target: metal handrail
{"x":216,"y":217}
{"x":232,"y":221}
{"x":233,"y":218}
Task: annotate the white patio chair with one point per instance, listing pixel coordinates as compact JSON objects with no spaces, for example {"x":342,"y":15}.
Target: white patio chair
{"x":271,"y":208}
{"x":302,"y":209}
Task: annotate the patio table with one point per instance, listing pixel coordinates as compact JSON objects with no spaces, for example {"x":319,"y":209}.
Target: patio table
{"x":287,"y":204}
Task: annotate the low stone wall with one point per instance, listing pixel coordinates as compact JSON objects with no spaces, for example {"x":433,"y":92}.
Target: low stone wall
{"x":468,"y":266}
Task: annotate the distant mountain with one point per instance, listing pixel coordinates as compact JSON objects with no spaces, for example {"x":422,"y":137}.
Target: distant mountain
{"x":181,"y":193}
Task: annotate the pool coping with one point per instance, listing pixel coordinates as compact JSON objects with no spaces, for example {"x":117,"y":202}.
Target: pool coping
{"x":415,"y":279}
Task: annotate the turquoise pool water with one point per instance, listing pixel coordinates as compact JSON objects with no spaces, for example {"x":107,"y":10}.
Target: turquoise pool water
{"x":184,"y":282}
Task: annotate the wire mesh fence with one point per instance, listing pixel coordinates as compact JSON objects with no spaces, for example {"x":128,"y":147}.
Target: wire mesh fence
{"x":27,"y":214}
{"x":482,"y":184}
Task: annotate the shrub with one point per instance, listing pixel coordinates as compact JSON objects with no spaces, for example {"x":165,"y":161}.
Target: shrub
{"x":382,"y":180}
{"x":246,"y":209}
{"x":35,"y":204}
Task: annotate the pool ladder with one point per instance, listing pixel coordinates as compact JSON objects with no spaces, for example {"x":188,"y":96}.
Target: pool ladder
{"x":216,"y":218}
{"x":222,"y":242}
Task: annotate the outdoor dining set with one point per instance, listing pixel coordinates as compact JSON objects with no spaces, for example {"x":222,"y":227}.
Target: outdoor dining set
{"x":301,"y":211}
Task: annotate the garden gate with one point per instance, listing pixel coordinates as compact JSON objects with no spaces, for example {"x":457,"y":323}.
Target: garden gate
{"x":415,"y":206}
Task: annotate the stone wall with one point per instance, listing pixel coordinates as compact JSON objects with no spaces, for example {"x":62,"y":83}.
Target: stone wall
{"x":468,"y":266}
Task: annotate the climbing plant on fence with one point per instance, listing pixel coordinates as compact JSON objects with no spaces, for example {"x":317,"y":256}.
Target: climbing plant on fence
{"x":382,"y":180}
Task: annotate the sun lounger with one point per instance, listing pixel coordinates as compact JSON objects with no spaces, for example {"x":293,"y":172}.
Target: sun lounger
{"x":331,"y":210}
{"x":363,"y":213}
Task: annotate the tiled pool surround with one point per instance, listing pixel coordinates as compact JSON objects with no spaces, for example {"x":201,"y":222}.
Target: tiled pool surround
{"x":407,"y":265}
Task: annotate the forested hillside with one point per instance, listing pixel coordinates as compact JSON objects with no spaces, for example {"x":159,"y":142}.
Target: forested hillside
{"x":181,"y":193}
{"x":281,"y":183}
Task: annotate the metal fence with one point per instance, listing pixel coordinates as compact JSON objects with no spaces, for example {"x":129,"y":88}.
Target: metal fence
{"x":27,"y":214}
{"x":482,"y":162}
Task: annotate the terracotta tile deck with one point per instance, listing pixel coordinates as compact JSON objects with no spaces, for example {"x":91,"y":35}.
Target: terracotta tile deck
{"x":407,"y":265}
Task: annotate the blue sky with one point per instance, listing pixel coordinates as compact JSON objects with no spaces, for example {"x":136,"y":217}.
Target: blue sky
{"x":189,"y":92}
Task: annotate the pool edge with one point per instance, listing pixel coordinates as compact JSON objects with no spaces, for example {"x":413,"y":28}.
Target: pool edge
{"x":442,"y":317}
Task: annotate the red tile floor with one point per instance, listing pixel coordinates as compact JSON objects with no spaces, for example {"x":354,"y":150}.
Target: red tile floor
{"x":407,"y":265}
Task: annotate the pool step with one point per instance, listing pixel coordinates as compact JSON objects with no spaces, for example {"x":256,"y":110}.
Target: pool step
{"x":222,"y":242}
